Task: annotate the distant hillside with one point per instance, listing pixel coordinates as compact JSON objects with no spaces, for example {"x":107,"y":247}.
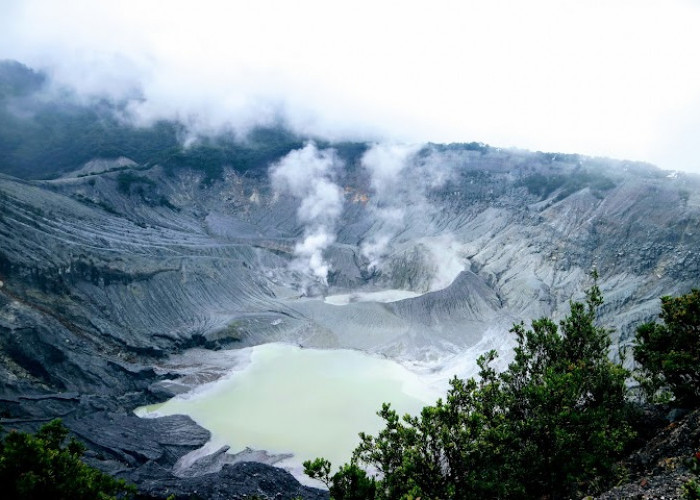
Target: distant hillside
{"x":45,"y":132}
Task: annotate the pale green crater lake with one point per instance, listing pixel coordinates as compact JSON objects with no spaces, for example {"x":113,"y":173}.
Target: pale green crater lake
{"x":308,"y":402}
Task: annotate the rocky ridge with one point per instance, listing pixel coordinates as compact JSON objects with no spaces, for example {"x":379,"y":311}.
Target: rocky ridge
{"x":120,"y":274}
{"x":100,"y":285}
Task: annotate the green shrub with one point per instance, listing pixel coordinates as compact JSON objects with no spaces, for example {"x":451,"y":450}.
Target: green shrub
{"x":552,"y":425}
{"x":566,"y":184}
{"x":349,"y":483}
{"x":39,"y":467}
{"x":691,"y":489}
{"x":669,"y":353}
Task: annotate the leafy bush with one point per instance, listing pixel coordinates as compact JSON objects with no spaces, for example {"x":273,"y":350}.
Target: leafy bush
{"x":551,"y":425}
{"x":669,"y":353}
{"x":349,"y":483}
{"x":691,"y":488}
{"x":39,"y":467}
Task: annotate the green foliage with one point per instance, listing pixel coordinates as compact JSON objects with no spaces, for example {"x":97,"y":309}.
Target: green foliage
{"x":461,"y":146}
{"x":40,"y":467}
{"x":319,"y":469}
{"x":439,"y":454}
{"x":669,"y":353}
{"x":544,"y":185}
{"x":551,"y":425}
{"x":43,"y":142}
{"x":38,"y":136}
{"x":211,"y":155}
{"x":566,"y":407}
{"x":349,"y":483}
{"x":691,"y":489}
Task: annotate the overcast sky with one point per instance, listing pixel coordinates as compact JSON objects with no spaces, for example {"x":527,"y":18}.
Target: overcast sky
{"x":611,"y":78}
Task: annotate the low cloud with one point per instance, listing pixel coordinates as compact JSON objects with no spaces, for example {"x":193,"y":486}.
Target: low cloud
{"x":384,"y":163}
{"x":235,"y":65}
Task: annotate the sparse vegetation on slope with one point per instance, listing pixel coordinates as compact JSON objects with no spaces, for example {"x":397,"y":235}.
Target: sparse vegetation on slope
{"x":545,"y":185}
{"x":42,"y":138}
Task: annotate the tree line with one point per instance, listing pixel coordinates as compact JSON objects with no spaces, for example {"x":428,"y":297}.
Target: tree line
{"x":553,"y":425}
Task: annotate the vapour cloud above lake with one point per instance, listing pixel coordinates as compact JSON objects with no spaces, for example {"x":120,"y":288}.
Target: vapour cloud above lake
{"x":614,"y":78}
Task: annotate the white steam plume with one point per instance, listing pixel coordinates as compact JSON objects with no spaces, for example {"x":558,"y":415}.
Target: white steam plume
{"x":385,"y":164}
{"x":401,"y":180}
{"x":308,"y":174}
{"x":447,"y":253}
{"x":432,"y":171}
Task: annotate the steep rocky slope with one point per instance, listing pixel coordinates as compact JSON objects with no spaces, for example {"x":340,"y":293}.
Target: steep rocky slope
{"x":112,"y":270}
{"x":660,"y":468}
{"x":208,"y":266}
{"x":101,"y":284}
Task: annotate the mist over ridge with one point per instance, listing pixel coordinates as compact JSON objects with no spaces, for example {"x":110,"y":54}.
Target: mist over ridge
{"x":495,"y":72}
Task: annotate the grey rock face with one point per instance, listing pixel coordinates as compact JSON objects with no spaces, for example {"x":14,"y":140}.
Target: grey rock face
{"x":233,"y":482}
{"x":660,"y":468}
{"x":101,"y":283}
